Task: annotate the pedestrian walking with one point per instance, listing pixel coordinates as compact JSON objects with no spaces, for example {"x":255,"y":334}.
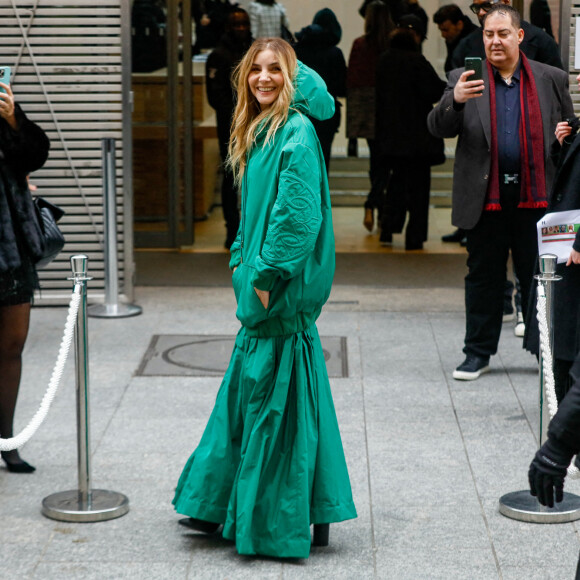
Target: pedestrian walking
{"x":270,"y":462}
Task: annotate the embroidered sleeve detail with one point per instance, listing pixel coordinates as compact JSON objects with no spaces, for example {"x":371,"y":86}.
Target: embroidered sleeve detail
{"x":295,"y":219}
{"x":295,"y":230}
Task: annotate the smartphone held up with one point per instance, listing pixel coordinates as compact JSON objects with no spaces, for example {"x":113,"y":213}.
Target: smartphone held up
{"x":5,"y":72}
{"x":473,"y":63}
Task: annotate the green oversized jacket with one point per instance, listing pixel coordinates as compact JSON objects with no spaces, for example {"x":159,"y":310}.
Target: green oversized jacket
{"x":285,"y":243}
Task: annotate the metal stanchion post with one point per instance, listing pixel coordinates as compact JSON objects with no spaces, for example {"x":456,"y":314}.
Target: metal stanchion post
{"x":111,"y":308}
{"x":84,"y":504}
{"x":522,"y":505}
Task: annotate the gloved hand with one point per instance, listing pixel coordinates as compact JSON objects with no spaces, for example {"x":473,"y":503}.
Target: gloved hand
{"x":548,"y":470}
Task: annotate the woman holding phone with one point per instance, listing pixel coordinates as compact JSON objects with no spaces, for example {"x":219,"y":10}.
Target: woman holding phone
{"x":270,"y":462}
{"x":23,"y":148}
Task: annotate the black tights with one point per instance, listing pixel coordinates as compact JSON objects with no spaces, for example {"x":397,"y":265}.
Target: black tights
{"x":14,"y":321}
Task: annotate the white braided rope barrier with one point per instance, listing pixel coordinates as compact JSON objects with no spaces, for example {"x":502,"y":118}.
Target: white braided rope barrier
{"x":547,"y":368}
{"x":36,"y":421}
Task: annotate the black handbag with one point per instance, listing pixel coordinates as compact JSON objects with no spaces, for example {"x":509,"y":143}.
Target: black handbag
{"x":48,"y":215}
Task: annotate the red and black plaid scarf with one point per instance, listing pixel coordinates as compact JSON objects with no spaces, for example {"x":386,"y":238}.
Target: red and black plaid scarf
{"x":532,"y":171}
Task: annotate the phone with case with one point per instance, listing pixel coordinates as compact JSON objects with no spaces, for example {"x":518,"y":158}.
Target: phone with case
{"x":473,"y":63}
{"x":5,"y":72}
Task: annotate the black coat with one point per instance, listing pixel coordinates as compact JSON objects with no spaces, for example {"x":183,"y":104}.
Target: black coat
{"x":316,"y":48}
{"x":220,"y":92}
{"x":565,"y":426}
{"x":407,"y":86}
{"x":536,"y":45}
{"x":21,"y":152}
{"x":565,"y":196}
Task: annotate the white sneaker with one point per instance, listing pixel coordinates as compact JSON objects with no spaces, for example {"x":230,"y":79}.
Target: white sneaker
{"x":520,"y":328}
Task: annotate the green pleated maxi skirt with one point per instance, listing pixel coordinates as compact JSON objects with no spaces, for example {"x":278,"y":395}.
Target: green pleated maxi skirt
{"x":270,"y":462}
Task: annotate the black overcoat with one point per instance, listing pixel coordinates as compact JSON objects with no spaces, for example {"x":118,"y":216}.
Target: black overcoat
{"x":21,"y":152}
{"x":565,"y":196}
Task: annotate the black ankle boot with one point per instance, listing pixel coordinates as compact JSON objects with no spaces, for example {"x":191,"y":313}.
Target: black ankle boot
{"x":321,"y":534}
{"x":17,"y":466}
{"x":200,"y":525}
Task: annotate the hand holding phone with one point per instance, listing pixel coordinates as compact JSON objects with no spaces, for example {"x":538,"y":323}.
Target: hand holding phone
{"x":470,"y":84}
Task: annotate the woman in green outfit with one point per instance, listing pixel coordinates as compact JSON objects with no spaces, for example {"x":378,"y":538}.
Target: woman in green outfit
{"x":270,"y":462}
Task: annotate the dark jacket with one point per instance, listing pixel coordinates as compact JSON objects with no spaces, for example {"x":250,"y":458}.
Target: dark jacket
{"x":217,"y":11}
{"x":407,"y":86}
{"x":21,"y":152}
{"x":472,"y":125}
{"x":316,"y":48}
{"x":468,"y":28}
{"x":536,"y":45}
{"x":565,"y":196}
{"x":218,"y":72}
{"x":565,"y":426}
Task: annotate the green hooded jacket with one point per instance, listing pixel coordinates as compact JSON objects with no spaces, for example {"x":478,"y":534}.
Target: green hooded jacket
{"x":285,"y":243}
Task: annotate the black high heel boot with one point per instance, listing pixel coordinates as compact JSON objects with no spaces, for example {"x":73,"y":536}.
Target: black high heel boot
{"x":200,"y":525}
{"x":321,"y":534}
{"x":17,"y":466}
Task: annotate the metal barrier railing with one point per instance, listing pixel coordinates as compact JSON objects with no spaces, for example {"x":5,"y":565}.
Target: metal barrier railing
{"x":521,"y":505}
{"x":83,"y":504}
{"x":111,"y":307}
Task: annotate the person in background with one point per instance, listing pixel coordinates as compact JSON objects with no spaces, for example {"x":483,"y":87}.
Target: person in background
{"x":536,"y":44}
{"x":317,"y":48}
{"x":268,"y":19}
{"x":360,"y":100}
{"x":412,"y":7}
{"x":270,"y":462}
{"x":407,"y":87}
{"x":541,"y":16}
{"x":210,"y":19}
{"x":221,"y":96}
{"x":24,"y":148}
{"x":454,"y":26}
{"x":499,"y":194}
{"x":565,"y":196}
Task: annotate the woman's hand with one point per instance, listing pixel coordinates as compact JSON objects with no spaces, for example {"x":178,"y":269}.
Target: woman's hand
{"x":562,"y":131}
{"x":574,"y":258}
{"x":7,"y":106}
{"x":264,"y":296}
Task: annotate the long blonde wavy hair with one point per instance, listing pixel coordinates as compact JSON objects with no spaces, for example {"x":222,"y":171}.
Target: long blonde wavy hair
{"x":249,"y":119}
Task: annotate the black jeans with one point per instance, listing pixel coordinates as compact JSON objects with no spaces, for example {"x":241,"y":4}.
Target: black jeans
{"x":488,"y":245}
{"x":379,"y":172}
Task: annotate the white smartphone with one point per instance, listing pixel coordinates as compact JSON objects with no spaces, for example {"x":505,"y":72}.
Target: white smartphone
{"x":5,"y":72}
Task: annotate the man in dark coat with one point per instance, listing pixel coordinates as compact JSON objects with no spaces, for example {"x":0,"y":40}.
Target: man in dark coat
{"x":317,"y":48}
{"x":498,"y":194}
{"x":549,"y":466}
{"x":536,"y":44}
{"x":454,"y":26}
{"x":221,"y":96}
{"x":566,"y":293}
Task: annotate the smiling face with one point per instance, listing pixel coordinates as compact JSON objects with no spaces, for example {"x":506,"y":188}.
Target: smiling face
{"x":502,"y":41}
{"x":266,"y":78}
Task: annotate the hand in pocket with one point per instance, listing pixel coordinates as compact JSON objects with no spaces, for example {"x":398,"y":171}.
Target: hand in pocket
{"x":264,"y":296}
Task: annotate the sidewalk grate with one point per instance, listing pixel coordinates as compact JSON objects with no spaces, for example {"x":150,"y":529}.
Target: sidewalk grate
{"x":200,"y":355}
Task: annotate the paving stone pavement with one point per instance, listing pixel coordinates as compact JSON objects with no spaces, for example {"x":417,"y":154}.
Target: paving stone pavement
{"x":429,"y":457}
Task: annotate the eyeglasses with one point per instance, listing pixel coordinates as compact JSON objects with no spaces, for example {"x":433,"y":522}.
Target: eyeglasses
{"x":485,"y":6}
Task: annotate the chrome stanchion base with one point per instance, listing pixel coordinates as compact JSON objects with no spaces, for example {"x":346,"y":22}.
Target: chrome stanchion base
{"x":66,"y":506}
{"x":523,"y":506}
{"x":114,"y":310}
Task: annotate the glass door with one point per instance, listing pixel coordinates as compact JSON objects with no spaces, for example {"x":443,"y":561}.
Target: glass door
{"x":162,"y":123}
